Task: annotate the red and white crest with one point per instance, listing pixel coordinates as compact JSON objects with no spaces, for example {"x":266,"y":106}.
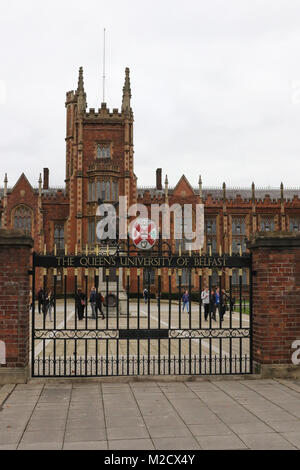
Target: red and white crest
{"x":144,"y":233}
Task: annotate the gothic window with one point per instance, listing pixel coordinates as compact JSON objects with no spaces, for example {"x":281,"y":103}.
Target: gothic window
{"x":23,"y":219}
{"x":98,"y":190}
{"x":103,"y":151}
{"x":238,"y":227}
{"x":59,"y":235}
{"x":210,"y":227}
{"x":103,"y":190}
{"x":185,"y":277}
{"x":236,"y":277}
{"x":112,"y":276}
{"x":183,"y":244}
{"x":148,"y":276}
{"x":267,"y":223}
{"x":114,"y":189}
{"x":91,"y":233}
{"x":294,"y":224}
{"x":107,"y":191}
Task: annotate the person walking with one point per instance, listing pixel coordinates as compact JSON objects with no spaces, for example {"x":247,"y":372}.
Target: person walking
{"x":48,"y":305}
{"x":41,"y":299}
{"x":185,"y":301}
{"x":218,"y":301}
{"x":205,"y":301}
{"x":99,"y":304}
{"x":145,"y":295}
{"x":80,"y":299}
{"x":93,"y":302}
{"x":212,"y":304}
{"x":224,"y":303}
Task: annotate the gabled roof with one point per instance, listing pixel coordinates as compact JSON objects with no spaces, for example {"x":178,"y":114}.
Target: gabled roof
{"x":22,"y":177}
{"x":183,"y":184}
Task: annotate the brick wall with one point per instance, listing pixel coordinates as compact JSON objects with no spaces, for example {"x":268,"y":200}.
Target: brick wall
{"x":15,"y":250}
{"x":276,"y":296}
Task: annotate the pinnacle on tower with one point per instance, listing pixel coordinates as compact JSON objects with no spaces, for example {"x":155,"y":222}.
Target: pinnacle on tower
{"x":126,"y":93}
{"x":80,"y":80}
{"x":81,"y":95}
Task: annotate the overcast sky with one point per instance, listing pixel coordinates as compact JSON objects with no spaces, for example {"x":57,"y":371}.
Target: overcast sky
{"x":215,"y":85}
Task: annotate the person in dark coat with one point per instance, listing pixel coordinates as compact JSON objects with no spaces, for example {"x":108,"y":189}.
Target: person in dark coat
{"x":48,"y":305}
{"x":41,"y":299}
{"x":213,"y":304}
{"x":80,"y":300}
{"x":99,"y":304}
{"x":93,"y":302}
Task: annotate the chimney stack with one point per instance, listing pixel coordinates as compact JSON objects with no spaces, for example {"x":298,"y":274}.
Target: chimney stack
{"x":158,"y":179}
{"x":46,"y":178}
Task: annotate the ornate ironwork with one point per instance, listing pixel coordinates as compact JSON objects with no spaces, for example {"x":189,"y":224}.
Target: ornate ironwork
{"x":75,"y":334}
{"x":211,"y":333}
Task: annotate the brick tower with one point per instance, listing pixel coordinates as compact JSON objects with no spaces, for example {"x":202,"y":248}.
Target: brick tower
{"x":99,"y":161}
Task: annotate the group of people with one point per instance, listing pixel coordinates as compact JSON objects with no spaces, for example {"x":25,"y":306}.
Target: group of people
{"x":96,"y":300}
{"x":45,"y":303}
{"x":213,"y":302}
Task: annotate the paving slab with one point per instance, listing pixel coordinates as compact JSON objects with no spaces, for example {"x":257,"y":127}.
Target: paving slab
{"x":85,"y":435}
{"x":293,"y":438}
{"x":285,"y":426}
{"x":40,"y":446}
{"x":131,"y":444}
{"x":216,"y":429}
{"x":221,"y":443}
{"x":169,"y":431}
{"x":178,"y":443}
{"x":88,"y":445}
{"x":48,"y":436}
{"x":266,"y":441}
{"x":130,"y":432}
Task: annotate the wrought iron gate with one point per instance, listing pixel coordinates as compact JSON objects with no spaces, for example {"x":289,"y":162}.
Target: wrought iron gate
{"x":142,"y":335}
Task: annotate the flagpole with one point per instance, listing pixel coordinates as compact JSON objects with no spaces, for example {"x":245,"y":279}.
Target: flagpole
{"x":103,"y":81}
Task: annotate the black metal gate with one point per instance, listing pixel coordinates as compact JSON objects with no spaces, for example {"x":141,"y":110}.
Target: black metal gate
{"x":150,"y":334}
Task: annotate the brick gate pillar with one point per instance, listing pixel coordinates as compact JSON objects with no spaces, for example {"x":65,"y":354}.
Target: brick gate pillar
{"x":15,"y":251}
{"x":276,"y":303}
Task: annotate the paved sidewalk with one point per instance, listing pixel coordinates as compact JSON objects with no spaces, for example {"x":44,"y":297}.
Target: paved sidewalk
{"x":220,"y":414}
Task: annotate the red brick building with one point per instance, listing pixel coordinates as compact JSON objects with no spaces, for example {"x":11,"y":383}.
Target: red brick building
{"x":100,"y":164}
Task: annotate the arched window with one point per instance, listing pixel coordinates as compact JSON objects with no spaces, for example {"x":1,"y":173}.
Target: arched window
{"x":23,"y":219}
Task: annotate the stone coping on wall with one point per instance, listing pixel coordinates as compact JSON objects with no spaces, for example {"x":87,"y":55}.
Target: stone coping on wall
{"x":15,"y":238}
{"x":277,"y":240}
